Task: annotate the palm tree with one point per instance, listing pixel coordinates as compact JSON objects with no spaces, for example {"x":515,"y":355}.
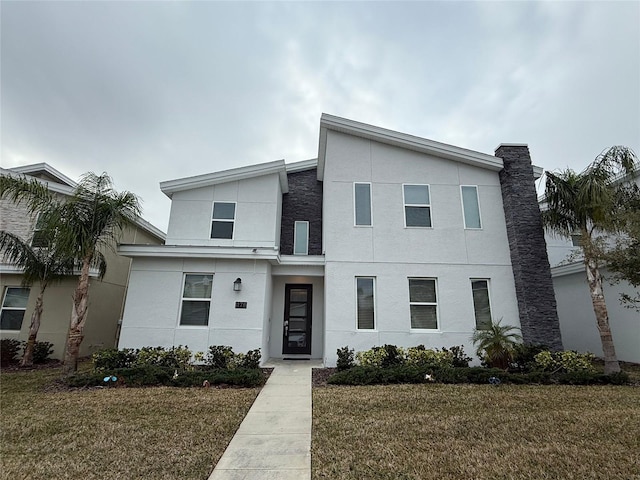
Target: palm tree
{"x":83,"y":225}
{"x":585,"y":204}
{"x":495,"y":344}
{"x":42,"y":264}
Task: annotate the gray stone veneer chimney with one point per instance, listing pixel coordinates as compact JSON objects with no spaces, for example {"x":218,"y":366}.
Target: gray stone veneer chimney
{"x":530,"y":263}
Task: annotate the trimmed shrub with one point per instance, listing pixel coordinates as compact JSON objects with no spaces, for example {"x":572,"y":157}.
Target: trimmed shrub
{"x":564,"y":362}
{"x":112,"y":358}
{"x":345,"y":358}
{"x":423,"y":357}
{"x":249,"y":360}
{"x":176,"y":357}
{"x":219,"y":356}
{"x":385,"y":356}
{"x":41,"y":351}
{"x":459,"y":358}
{"x":524,"y":356}
{"x":9,"y":349}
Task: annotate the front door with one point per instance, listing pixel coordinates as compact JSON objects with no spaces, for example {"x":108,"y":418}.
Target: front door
{"x":297,"y":319}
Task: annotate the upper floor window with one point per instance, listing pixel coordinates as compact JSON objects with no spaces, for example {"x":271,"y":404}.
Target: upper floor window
{"x":39,"y":238}
{"x":301,"y":238}
{"x":224,"y":215}
{"x":481,"y":305}
{"x":470,"y":206}
{"x":196,"y":299}
{"x":14,"y":304}
{"x":365,"y":291}
{"x":362,"y":203}
{"x":423,"y":303}
{"x":417,"y":206}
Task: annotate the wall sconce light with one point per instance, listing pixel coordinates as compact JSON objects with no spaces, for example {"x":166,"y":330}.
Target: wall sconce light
{"x":237,"y":285}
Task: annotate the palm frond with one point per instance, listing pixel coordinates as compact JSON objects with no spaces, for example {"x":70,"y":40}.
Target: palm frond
{"x":31,"y":192}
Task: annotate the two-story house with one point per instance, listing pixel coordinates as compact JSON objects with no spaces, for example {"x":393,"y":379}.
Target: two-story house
{"x":384,"y":238}
{"x":106,"y":299}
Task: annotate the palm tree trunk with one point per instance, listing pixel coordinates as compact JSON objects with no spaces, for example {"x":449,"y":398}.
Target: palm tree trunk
{"x":78,"y":318}
{"x":594,"y":279}
{"x":27,"y":358}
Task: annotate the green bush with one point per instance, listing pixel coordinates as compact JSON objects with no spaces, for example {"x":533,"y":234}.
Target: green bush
{"x":345,"y":358}
{"x":524,"y":356}
{"x":112,"y":358}
{"x":41,"y":351}
{"x":564,"y":362}
{"x":250,"y":360}
{"x":385,"y":356}
{"x":424,"y":357}
{"x":219,"y":356}
{"x":152,"y":375}
{"x":9,"y":349}
{"x":459,"y":358}
{"x":176,"y":357}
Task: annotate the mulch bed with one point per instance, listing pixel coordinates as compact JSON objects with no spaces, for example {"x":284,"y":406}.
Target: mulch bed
{"x":319,"y":376}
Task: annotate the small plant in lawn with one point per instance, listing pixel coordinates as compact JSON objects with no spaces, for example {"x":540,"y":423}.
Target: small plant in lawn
{"x":345,"y":358}
{"x":496,"y":343}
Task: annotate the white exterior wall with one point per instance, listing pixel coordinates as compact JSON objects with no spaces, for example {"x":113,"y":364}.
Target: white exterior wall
{"x":578,"y":321}
{"x":152,"y":312}
{"x":392,"y":253}
{"x":257,"y":222}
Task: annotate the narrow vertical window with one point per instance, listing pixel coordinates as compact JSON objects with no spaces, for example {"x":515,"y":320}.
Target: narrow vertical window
{"x":470,"y":206}
{"x":14,"y":304}
{"x":366,"y":305}
{"x":362,"y":201}
{"x":39,"y":238}
{"x":196,"y":299}
{"x":224,"y":215}
{"x":301,"y":238}
{"x":481,"y":306}
{"x":417,"y":206}
{"x":423,"y":303}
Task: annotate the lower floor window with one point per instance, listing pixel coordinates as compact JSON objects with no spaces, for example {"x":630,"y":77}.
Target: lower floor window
{"x":423,"y":303}
{"x":14,"y":305}
{"x":366,"y":304}
{"x":196,"y":299}
{"x":481,"y":305}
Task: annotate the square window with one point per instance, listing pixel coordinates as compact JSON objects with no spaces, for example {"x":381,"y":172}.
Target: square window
{"x":423,"y":303}
{"x":223,"y":219}
{"x":196,"y":299}
{"x":417,"y":206}
{"x":14,"y":304}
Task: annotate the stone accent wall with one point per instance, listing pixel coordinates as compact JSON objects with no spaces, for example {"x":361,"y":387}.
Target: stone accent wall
{"x":531,"y":270}
{"x":15,"y":218}
{"x":302,"y":203}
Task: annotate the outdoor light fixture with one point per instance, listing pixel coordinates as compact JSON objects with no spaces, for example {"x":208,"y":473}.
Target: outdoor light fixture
{"x":237,"y":285}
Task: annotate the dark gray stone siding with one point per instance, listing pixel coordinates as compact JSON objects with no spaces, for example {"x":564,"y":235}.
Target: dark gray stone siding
{"x":302,"y":203}
{"x":531,"y":270}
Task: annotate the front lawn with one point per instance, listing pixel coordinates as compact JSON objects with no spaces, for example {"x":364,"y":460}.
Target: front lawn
{"x":435,"y":431}
{"x":114,"y":433}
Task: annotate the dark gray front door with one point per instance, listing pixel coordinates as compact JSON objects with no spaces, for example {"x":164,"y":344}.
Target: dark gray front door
{"x":297,"y":319}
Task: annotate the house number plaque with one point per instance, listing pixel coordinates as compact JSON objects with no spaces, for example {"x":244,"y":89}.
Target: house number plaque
{"x":241,"y":304}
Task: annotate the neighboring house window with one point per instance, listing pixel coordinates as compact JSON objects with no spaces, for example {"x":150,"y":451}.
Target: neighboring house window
{"x":481,"y":305}
{"x":362,"y":201}
{"x":423,"y":303}
{"x":301,"y":238}
{"x":196,"y":299}
{"x":417,"y":206}
{"x":39,"y":238}
{"x":470,"y":206}
{"x":365,"y":289}
{"x":576,"y":239}
{"x":224,"y":215}
{"x":14,"y":305}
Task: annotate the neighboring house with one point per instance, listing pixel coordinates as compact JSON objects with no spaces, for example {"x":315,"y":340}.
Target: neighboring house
{"x":575,"y":310}
{"x":106,"y":299}
{"x":385,"y":238}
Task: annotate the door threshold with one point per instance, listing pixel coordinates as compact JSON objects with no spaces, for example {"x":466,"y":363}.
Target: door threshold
{"x":290,"y":358}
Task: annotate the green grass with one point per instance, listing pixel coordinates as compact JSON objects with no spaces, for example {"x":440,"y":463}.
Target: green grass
{"x":476,"y":432}
{"x":114,"y":433}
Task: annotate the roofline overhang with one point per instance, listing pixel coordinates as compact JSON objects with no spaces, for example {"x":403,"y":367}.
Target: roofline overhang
{"x":302,"y":166}
{"x":402,"y":140}
{"x":39,"y":167}
{"x":170,"y":187}
{"x":567,"y":269}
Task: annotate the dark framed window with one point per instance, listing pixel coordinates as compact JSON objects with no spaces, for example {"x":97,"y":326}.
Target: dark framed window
{"x":223,"y":219}
{"x":196,"y":299}
{"x":365,"y":293}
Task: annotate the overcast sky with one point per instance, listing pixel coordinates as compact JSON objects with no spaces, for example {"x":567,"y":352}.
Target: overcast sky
{"x":153,"y":91}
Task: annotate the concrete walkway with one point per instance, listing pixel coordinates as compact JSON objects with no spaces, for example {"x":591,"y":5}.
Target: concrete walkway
{"x":274,"y":440}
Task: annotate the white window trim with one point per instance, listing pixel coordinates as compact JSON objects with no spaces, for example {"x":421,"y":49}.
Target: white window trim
{"x":295,"y":238}
{"x":424,"y":330}
{"x":464,"y":220}
{"x":235,"y":212}
{"x":2,"y":307}
{"x":405,"y":204}
{"x":471,"y":280}
{"x":375,"y":299}
{"x":182,"y":299}
{"x":370,"y":204}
